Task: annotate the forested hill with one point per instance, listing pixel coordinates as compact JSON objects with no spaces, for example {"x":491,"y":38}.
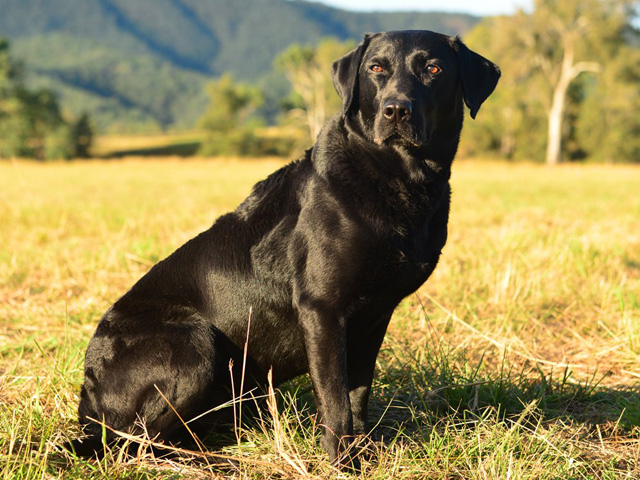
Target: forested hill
{"x":144,"y":62}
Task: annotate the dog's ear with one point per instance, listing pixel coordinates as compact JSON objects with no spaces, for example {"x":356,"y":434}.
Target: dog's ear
{"x":345,"y":74}
{"x":478,"y":76}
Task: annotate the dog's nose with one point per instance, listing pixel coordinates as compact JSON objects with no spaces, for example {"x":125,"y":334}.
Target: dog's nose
{"x":397,"y":110}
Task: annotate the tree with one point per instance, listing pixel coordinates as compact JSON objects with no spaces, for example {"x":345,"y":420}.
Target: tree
{"x":309,"y":71}
{"x":82,"y":136}
{"x":608,"y":126}
{"x":542,"y":55}
{"x":568,"y":38}
{"x":230,"y":119}
{"x":10,"y":74}
{"x":512,"y":120}
{"x":31,"y":123}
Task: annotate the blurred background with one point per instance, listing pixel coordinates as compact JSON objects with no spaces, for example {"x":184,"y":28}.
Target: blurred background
{"x":113,"y":78}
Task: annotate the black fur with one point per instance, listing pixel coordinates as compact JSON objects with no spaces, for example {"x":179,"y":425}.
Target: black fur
{"x":322,"y":251}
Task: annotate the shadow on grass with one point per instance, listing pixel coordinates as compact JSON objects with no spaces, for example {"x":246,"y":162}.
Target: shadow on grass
{"x":185,"y":149}
{"x":412,"y":395}
{"x":418,"y":392}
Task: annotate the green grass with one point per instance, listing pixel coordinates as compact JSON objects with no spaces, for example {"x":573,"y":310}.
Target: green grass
{"x":518,"y":359}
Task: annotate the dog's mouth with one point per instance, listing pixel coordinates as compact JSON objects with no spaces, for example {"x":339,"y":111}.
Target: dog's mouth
{"x":397,"y":137}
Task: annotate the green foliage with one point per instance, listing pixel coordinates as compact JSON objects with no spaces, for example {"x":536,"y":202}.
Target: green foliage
{"x":511,"y":123}
{"x":608,"y":125}
{"x":142,"y":65}
{"x":121,"y":90}
{"x":31,"y":124}
{"x":30,"y":121}
{"x":82,"y":136}
{"x":230,"y":121}
{"x":308,"y":68}
{"x":573,"y":60}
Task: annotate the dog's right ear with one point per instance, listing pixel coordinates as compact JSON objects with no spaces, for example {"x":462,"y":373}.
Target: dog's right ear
{"x":345,"y":74}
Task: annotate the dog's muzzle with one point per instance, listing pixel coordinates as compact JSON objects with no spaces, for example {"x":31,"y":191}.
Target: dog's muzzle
{"x":394,"y":123}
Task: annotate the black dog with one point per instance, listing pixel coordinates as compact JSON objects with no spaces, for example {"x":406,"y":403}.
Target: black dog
{"x":322,"y":251}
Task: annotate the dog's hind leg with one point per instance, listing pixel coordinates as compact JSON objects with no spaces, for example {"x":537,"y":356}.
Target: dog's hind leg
{"x":138,"y":381}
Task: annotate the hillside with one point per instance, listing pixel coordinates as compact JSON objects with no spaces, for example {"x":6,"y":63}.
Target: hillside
{"x":142,"y":64}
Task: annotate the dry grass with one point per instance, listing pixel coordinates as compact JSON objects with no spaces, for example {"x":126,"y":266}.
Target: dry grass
{"x":519,"y":358}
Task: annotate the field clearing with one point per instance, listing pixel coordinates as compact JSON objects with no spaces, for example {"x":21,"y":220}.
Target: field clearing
{"x":519,"y":358}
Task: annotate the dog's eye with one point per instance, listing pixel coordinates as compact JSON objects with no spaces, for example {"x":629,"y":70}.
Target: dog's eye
{"x":376,"y":68}
{"x":433,"y":69}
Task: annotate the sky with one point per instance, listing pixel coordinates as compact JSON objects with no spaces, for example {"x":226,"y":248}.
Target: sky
{"x":477,"y":7}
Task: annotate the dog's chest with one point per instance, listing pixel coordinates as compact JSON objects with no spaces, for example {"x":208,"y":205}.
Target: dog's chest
{"x":411,"y":258}
{"x":416,"y":233}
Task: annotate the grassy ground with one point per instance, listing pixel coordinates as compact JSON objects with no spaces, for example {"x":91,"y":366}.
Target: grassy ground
{"x":179,"y":144}
{"x":518,"y":359}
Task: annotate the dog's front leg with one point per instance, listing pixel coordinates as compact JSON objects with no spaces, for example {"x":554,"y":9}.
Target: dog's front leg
{"x":325,"y":342}
{"x":363,"y":346}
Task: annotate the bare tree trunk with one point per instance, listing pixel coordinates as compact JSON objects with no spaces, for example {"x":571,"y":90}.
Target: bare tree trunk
{"x":309,"y":81}
{"x":304,"y":84}
{"x":554,"y":131}
{"x":568,"y":72}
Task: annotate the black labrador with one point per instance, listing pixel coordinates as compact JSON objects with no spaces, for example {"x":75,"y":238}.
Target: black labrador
{"x":321,"y":252}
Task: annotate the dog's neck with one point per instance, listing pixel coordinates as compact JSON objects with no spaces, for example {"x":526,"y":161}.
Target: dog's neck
{"x":407,"y":182}
{"x":415,"y":164}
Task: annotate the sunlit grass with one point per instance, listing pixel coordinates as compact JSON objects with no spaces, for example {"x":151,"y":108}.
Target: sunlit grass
{"x":519,"y":358}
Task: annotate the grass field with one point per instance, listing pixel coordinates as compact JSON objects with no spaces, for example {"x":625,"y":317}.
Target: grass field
{"x":518,"y":359}
{"x":180,"y":144}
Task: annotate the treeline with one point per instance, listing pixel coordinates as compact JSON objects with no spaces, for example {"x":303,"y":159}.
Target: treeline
{"x":142,"y":65}
{"x":570,"y":89}
{"x":234,"y":123}
{"x":31,"y":122}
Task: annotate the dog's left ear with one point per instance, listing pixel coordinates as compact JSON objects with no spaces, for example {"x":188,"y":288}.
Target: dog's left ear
{"x":345,"y":74}
{"x":478,"y":76}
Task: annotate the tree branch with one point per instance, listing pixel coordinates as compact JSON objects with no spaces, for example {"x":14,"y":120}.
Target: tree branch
{"x":580,"y":67}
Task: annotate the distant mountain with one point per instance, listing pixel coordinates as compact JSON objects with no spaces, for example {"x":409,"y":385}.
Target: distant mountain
{"x":142,"y":64}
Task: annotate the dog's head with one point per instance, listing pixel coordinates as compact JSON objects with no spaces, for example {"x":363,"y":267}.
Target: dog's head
{"x":402,"y":87}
